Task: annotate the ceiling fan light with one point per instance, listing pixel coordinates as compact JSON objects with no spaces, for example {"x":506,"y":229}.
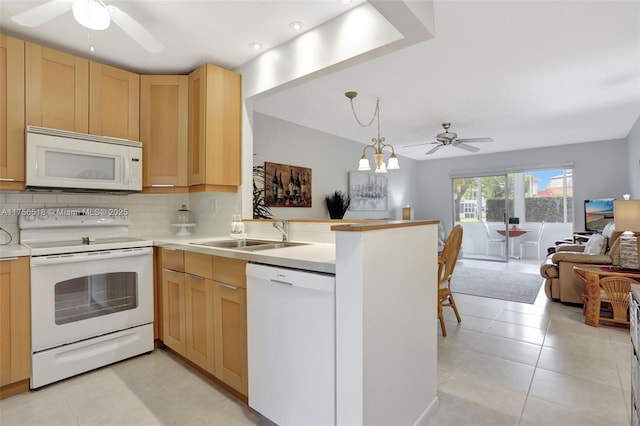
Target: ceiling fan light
{"x":364,"y":165}
{"x":393,"y":163}
{"x":91,"y":14}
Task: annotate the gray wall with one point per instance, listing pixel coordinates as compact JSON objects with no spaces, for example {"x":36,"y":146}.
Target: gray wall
{"x":600,"y":171}
{"x":330,"y":158}
{"x":633,"y":141}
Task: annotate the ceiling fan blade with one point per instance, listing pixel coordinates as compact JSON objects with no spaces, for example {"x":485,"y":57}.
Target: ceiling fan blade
{"x":135,"y":30}
{"x":434,"y":149}
{"x":467,"y":147}
{"x":474,"y":140}
{"x":418,"y":144}
{"x":43,"y":13}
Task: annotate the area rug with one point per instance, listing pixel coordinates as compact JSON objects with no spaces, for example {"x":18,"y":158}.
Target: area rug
{"x":496,"y":284}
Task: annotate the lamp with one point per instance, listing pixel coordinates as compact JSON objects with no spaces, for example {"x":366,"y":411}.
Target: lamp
{"x":91,"y":14}
{"x":377,"y":143}
{"x":626,"y":214}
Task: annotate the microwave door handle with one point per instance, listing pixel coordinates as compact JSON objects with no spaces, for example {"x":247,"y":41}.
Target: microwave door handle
{"x":125,"y":180}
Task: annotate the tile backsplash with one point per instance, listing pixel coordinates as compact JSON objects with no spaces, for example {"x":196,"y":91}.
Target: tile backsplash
{"x":151,"y":215}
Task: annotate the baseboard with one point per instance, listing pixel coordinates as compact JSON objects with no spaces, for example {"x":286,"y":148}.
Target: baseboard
{"x":429,"y":412}
{"x":14,"y":388}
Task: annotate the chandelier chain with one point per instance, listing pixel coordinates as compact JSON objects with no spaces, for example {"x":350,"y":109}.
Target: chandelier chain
{"x":375,"y":114}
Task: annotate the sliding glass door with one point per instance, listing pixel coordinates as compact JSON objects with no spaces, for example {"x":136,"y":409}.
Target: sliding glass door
{"x":513,"y":215}
{"x":482,"y":205}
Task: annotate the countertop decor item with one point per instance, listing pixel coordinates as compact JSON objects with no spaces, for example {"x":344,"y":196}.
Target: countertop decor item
{"x":337,"y":204}
{"x":184,"y":219}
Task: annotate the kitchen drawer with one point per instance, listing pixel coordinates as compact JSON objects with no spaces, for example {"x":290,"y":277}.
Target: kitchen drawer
{"x":230,"y":271}
{"x":198,"y":264}
{"x":172,"y":259}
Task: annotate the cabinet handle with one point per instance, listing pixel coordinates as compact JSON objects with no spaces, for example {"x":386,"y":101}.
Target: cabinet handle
{"x":7,"y":179}
{"x":8,"y":258}
{"x":162,"y":185}
{"x":197,"y":277}
{"x":229,"y":286}
{"x":170,"y":270}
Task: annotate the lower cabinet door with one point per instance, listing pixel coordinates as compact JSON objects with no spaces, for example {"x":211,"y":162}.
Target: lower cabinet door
{"x":173,"y":311}
{"x":230,"y":322}
{"x":15,"y":321}
{"x":199,"y":321}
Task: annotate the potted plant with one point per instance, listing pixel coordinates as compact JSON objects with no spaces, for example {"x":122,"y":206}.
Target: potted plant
{"x":260,"y":209}
{"x":337,"y":204}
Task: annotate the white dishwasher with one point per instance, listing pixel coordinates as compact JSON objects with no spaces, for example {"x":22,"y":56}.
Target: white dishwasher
{"x":291,"y":345}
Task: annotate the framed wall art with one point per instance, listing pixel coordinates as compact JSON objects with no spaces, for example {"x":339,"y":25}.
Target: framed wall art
{"x":368,"y":192}
{"x":287,"y":186}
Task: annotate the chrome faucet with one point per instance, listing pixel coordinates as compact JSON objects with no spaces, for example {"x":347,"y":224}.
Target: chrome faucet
{"x":282,"y":226}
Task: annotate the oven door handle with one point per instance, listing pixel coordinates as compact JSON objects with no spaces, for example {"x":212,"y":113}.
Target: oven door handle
{"x":100,"y":255}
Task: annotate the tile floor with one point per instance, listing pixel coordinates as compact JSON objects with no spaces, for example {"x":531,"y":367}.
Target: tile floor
{"x":505,"y":364}
{"x":510,"y":363}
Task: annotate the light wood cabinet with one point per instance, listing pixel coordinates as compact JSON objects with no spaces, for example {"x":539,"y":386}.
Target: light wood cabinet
{"x":174,"y":333}
{"x":11,"y":113}
{"x":230,"y":323}
{"x":57,"y":89}
{"x":164,"y":107}
{"x":114,"y":102}
{"x":15,"y":326}
{"x":204,"y":313}
{"x":215,"y":145}
{"x":199,"y":321}
{"x":66,"y":92}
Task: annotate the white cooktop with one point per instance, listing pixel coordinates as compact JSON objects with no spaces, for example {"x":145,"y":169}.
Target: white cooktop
{"x":76,"y":229}
{"x":78,"y":246}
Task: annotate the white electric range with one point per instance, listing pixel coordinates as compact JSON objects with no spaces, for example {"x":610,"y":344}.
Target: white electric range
{"x":91,"y":290}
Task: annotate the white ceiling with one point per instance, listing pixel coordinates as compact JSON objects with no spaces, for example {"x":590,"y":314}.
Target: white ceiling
{"x":526,"y":73}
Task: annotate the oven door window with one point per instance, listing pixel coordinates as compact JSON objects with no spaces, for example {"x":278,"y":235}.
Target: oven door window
{"x":95,"y":295}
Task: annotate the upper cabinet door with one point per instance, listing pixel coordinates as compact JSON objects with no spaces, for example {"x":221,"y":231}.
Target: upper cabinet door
{"x":215,"y":143}
{"x":11,"y":113}
{"x":57,"y":89}
{"x":114,"y":107}
{"x":163,"y":132}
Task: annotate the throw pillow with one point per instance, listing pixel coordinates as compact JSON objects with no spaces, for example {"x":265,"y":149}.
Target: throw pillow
{"x":596,"y":244}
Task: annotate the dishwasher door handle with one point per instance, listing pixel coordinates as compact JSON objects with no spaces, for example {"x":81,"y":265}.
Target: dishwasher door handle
{"x":280,"y":282}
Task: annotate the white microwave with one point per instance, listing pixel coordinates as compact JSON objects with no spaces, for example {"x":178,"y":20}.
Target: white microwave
{"x":58,"y":160}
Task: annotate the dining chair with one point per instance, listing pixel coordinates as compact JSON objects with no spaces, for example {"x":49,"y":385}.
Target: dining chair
{"x":493,"y":240}
{"x":533,"y":243}
{"x":446,"y":264}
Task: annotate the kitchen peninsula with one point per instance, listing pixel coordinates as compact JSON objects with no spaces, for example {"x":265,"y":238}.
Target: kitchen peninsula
{"x":385,"y":313}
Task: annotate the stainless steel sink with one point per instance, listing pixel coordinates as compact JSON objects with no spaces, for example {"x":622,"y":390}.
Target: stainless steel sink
{"x":249,"y":245}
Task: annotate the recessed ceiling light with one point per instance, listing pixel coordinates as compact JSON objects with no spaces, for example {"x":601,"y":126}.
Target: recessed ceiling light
{"x":296,"y":25}
{"x":345,"y":1}
{"x":256,"y":46}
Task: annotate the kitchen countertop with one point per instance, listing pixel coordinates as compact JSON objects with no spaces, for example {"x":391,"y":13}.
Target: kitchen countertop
{"x":13,"y":250}
{"x":316,"y":257}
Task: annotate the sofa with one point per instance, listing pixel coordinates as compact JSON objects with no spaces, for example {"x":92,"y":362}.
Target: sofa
{"x":561,"y":283}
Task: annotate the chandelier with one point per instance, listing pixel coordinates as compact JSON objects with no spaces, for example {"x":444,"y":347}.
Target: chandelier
{"x":377,"y":143}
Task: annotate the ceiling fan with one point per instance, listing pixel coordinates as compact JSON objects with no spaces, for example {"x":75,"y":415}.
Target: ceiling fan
{"x":451,"y":139}
{"x":92,"y":14}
